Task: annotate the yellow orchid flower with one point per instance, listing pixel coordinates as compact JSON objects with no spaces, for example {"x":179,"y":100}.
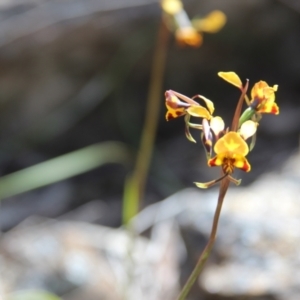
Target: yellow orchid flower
{"x":263,"y":98}
{"x":177,"y":108}
{"x":178,"y":105}
{"x":177,"y":20}
{"x":187,"y":32}
{"x":230,"y":151}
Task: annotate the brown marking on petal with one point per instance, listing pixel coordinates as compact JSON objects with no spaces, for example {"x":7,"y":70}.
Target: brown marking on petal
{"x":275,"y":109}
{"x":269,"y":109}
{"x":212,"y":162}
{"x":208,"y":147}
{"x":246,"y":167}
{"x":228,"y":165}
{"x":179,"y":113}
{"x":169,"y":116}
{"x":208,"y":143}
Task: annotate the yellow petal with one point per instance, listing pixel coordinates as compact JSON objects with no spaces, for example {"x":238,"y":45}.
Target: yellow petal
{"x":212,"y":23}
{"x":216,"y":161}
{"x":261,"y":90}
{"x":269,"y":94}
{"x":171,"y":6}
{"x":209,"y":103}
{"x":232,"y":78}
{"x":242,"y":163}
{"x":174,"y":113}
{"x":248,"y":129}
{"x":199,"y":111}
{"x":231,"y":143}
{"x":217,"y":125}
{"x":270,"y":108}
{"x":257,"y":89}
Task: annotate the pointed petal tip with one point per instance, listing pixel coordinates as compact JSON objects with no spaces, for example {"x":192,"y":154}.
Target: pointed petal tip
{"x":201,"y":185}
{"x":275,"y":109}
{"x":190,"y":137}
{"x":235,"y":181}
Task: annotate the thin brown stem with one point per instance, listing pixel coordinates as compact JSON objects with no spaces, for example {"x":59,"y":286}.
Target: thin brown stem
{"x":207,"y":250}
{"x":238,"y":110}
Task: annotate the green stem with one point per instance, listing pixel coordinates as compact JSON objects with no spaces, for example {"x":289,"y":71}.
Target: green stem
{"x":207,"y":250}
{"x":137,"y":180}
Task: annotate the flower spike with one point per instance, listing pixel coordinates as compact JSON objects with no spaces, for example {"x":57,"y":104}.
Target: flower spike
{"x":229,"y":145}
